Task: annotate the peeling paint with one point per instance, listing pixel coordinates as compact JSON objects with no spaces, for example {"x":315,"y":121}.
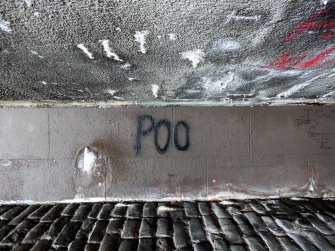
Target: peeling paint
{"x":5,"y":26}
{"x":108,"y":51}
{"x":140,"y":37}
{"x":195,"y":56}
{"x":85,"y":50}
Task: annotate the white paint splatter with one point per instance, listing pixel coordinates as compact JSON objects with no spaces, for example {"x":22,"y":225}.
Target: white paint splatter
{"x":297,"y":88}
{"x":172,"y":36}
{"x":331,"y":75}
{"x":215,"y":86}
{"x":161,"y":209}
{"x":126,"y":66}
{"x":89,"y":160}
{"x":36,"y":14}
{"x":28,"y":3}
{"x":258,"y":36}
{"x":140,"y":37}
{"x":133,"y":79}
{"x":227,"y":45}
{"x":7,"y":163}
{"x":195,"y":56}
{"x":36,"y":53}
{"x":108,"y":51}
{"x":5,"y":26}
{"x":85,"y":50}
{"x":155,"y":90}
{"x":328,"y":94}
{"x":118,"y":29}
{"x":233,"y":16}
{"x":118,"y":98}
{"x":324,"y":2}
{"x":312,"y":186}
{"x":110,"y":91}
{"x":44,"y":83}
{"x":159,"y":36}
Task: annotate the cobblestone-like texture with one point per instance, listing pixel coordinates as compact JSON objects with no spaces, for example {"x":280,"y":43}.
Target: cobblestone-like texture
{"x":307,"y":224}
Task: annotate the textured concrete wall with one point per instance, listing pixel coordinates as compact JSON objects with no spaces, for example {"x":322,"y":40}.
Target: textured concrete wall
{"x":66,"y":153}
{"x":242,"y":51}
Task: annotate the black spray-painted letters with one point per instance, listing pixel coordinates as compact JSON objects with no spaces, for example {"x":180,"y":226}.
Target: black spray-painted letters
{"x":156,"y":127}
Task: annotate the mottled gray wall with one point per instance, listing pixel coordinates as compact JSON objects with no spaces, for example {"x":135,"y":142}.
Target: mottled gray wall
{"x":239,"y":51}
{"x":65,"y":153}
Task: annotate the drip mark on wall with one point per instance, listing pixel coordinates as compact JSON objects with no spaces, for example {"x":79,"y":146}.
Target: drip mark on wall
{"x":5,"y":26}
{"x":140,"y":37}
{"x":108,"y":50}
{"x":155,"y":90}
{"x":195,"y":56}
{"x":85,"y":50}
{"x":87,"y":163}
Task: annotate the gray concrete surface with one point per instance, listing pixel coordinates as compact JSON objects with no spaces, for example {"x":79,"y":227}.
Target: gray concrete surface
{"x":247,"y":52}
{"x":52,"y":154}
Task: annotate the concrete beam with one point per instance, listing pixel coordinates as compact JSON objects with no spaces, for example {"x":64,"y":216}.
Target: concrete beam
{"x":166,"y":152}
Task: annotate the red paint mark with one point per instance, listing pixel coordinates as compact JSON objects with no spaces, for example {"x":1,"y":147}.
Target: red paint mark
{"x":302,"y":58}
{"x":317,"y":58}
{"x":327,"y":35}
{"x":314,"y":22}
{"x":282,"y":61}
{"x":286,"y":60}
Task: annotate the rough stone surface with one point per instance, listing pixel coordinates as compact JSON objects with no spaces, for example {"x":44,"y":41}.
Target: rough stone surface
{"x":280,"y":225}
{"x":247,"y":52}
